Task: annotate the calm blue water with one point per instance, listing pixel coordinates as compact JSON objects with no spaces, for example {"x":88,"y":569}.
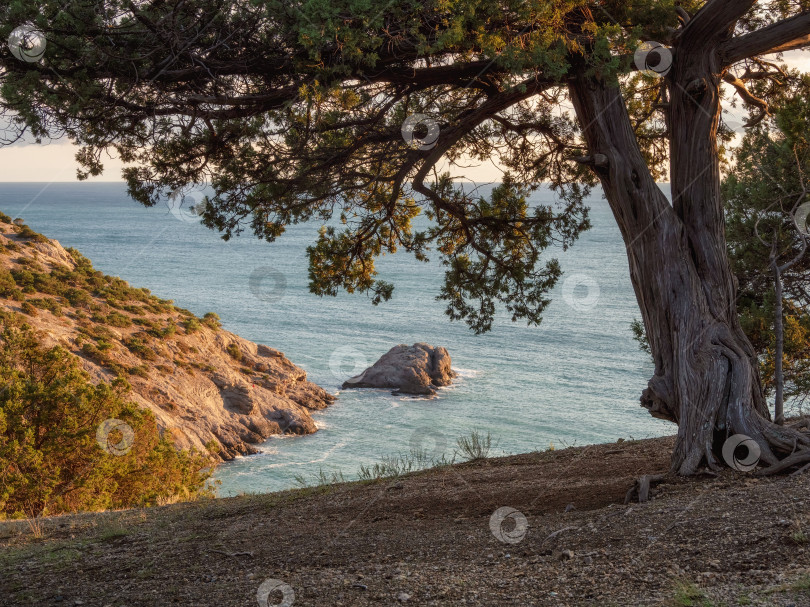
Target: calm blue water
{"x":576,"y":379}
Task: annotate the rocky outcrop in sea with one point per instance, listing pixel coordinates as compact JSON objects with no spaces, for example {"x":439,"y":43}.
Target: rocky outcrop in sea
{"x":414,"y":370}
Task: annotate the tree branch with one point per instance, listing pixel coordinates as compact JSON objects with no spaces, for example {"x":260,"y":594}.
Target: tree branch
{"x":783,"y":36}
{"x":715,"y":20}
{"x":683,"y":16}
{"x":744,"y":93}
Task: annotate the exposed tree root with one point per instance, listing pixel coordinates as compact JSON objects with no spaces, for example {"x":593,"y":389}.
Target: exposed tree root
{"x":800,"y":457}
{"x":641,"y":489}
{"x":725,"y":398}
{"x":789,"y":445}
{"x":802,"y":424}
{"x":801,"y":470}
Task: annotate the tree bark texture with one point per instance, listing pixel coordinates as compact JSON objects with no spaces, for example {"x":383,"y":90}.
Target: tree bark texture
{"x":706,"y":371}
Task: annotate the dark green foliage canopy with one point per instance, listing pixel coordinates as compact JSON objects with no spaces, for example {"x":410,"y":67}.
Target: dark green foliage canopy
{"x":294,"y":110}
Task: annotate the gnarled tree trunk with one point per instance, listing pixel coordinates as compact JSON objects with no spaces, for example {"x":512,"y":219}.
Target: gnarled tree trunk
{"x":706,"y":372}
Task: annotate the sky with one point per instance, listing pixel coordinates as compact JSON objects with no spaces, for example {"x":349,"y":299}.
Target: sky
{"x":55,"y":162}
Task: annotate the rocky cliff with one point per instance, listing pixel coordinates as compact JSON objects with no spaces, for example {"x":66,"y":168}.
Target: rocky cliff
{"x":208,"y":388}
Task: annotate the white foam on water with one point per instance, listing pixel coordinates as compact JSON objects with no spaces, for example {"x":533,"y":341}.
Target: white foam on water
{"x":467,"y":373}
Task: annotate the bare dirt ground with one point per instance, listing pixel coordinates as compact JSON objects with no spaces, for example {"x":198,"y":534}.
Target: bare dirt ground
{"x":426,"y":539}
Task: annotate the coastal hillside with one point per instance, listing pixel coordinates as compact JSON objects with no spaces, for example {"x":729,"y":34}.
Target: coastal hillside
{"x":209,"y":390}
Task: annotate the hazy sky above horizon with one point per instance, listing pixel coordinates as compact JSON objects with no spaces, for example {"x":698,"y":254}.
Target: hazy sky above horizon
{"x":55,"y":161}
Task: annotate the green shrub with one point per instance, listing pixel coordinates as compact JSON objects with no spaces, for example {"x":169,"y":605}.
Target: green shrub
{"x":94,"y":353}
{"x":29,"y":234}
{"x":29,"y":308}
{"x":23,"y":278}
{"x":97,"y":332}
{"x":185,"y":365}
{"x":82,"y":263}
{"x":46,"y":303}
{"x":120,"y":371}
{"x":116,"y":319}
{"x":211,"y":320}
{"x":7,"y":283}
{"x":163,"y":332}
{"x":191,"y":325}
{"x":147,"y":322}
{"x":29,"y":262}
{"x":234,"y":351}
{"x":139,"y":370}
{"x":78,"y":298}
{"x":140,"y":349}
{"x":50,"y":458}
{"x":134,"y":309}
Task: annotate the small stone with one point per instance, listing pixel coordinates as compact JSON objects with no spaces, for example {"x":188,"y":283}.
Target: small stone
{"x":566,"y":555}
{"x":403,"y":597}
{"x":570,"y":507}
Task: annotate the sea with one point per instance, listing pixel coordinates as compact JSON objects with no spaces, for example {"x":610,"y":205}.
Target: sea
{"x":573,"y":380}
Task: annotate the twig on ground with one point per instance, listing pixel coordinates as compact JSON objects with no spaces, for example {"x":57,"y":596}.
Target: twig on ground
{"x":233,"y":554}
